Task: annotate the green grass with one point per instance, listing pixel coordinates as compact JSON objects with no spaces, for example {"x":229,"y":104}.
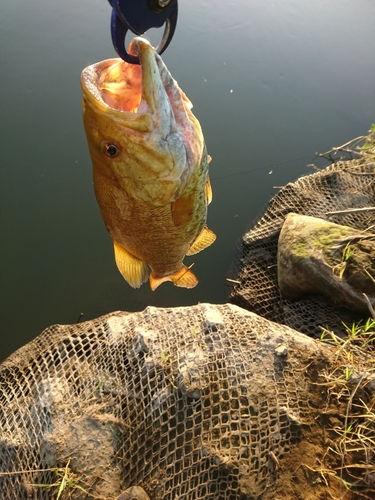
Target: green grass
{"x":353,"y":443}
{"x":65,"y":480}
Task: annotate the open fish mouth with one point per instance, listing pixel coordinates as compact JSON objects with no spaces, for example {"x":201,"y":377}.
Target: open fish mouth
{"x":128,"y":87}
{"x":145,"y":97}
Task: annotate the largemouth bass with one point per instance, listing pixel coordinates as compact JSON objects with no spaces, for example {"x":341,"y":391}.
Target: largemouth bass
{"x":150,"y":167}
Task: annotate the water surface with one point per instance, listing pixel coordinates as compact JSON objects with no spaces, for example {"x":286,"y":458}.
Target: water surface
{"x":270,"y":82}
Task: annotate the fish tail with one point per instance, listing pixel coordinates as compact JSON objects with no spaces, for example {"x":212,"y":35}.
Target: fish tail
{"x":184,"y":278}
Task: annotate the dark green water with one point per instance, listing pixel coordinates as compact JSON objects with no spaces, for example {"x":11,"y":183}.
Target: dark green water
{"x":270,"y":82}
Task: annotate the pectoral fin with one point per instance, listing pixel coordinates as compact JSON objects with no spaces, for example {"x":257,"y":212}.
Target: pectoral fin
{"x":204,"y":240}
{"x":134,"y":271}
{"x":183,"y":278}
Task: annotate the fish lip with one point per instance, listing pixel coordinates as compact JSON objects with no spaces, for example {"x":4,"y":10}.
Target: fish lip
{"x":151,"y":78}
{"x":154,"y":94}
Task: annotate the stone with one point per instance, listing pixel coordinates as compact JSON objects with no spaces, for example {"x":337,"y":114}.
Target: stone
{"x":318,"y":257}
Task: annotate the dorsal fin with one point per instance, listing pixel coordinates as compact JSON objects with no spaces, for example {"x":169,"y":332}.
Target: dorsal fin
{"x":134,"y":270}
{"x":208,"y":191}
{"x":204,"y":240}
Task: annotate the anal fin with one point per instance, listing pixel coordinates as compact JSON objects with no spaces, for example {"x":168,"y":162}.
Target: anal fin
{"x":184,"y":278}
{"x":204,"y":240}
{"x":134,"y":270}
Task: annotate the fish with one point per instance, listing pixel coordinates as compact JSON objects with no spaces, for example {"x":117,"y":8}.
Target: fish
{"x":150,"y":167}
{"x":134,"y":493}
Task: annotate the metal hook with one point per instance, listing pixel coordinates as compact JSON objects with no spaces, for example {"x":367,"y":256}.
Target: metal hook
{"x":138,"y":17}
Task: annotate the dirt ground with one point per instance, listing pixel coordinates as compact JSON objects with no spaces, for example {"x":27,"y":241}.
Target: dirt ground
{"x":325,"y":460}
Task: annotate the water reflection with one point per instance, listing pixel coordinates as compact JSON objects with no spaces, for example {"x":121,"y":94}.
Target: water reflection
{"x":270,"y":81}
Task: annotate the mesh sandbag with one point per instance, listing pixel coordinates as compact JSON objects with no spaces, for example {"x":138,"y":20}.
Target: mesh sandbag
{"x":344,"y":185}
{"x":203,"y":402}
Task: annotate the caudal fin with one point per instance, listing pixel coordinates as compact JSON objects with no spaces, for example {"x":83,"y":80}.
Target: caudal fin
{"x":184,"y":278}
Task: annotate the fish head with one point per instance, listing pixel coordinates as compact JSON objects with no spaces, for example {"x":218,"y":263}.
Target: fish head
{"x":141,"y":132}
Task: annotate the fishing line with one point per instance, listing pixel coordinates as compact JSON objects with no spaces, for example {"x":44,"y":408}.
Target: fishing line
{"x":272,"y":165}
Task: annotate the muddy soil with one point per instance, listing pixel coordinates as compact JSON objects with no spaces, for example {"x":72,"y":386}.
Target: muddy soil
{"x":320,"y":462}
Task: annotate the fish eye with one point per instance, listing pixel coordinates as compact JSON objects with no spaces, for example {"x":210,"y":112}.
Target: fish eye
{"x":110,"y":149}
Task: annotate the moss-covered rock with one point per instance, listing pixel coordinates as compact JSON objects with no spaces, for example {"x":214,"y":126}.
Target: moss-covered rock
{"x":317,"y":257}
